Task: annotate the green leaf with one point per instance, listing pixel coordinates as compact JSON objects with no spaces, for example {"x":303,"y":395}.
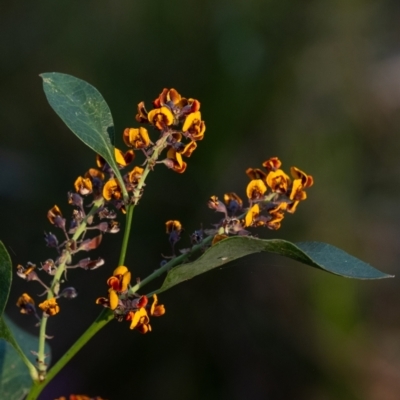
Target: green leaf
{"x":84,"y":110}
{"x":15,"y":377}
{"x":315,"y":254}
{"x":5,"y":277}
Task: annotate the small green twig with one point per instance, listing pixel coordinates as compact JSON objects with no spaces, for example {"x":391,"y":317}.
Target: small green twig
{"x":105,"y":316}
{"x":127,"y":231}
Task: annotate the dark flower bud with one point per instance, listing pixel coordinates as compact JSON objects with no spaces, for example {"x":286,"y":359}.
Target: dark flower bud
{"x":51,"y":240}
{"x":68,"y":293}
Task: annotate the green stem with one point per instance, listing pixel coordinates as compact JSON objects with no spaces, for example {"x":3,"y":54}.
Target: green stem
{"x":170,"y":264}
{"x":125,"y":240}
{"x":103,"y":319}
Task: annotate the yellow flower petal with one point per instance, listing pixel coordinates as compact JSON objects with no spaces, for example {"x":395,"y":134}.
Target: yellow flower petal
{"x":256,"y":189}
{"x":278,"y":181}
{"x":251,"y":214}
{"x":141,"y":313}
{"x":159,"y":116}
{"x":190,"y":120}
{"x":126,"y":280}
{"x":121,"y":270}
{"x":113,"y":297}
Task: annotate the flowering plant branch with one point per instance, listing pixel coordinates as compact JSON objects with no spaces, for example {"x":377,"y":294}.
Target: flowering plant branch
{"x":177,"y":121}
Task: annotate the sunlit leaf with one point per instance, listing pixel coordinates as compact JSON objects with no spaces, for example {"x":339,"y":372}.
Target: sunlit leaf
{"x":15,"y":378}
{"x":84,"y":110}
{"x":315,"y":254}
{"x":5,"y":277}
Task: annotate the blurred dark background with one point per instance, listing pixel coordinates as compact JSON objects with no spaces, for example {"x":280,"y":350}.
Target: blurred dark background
{"x":316,"y":83}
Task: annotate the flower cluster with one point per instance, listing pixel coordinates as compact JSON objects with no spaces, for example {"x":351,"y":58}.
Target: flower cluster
{"x":177,"y":118}
{"x":179,"y":125}
{"x":285,"y":193}
{"x":127,"y":305}
{"x":270,"y":193}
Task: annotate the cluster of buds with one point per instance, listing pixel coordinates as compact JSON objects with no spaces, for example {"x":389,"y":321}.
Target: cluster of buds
{"x":178,"y":123}
{"x":270,"y":194}
{"x":103,"y":220}
{"x":127,"y":305}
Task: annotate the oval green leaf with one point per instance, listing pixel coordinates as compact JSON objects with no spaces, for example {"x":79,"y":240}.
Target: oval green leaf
{"x":84,"y":110}
{"x":15,"y":357}
{"x":315,"y":254}
{"x":5,"y":277}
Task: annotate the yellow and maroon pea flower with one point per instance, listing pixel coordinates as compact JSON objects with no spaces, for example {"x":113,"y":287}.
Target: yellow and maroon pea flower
{"x":174,"y":161}
{"x":215,"y":204}
{"x":179,"y":106}
{"x":135,"y":175}
{"x":118,"y":283}
{"x":301,"y":181}
{"x":306,"y":180}
{"x":94,"y":173}
{"x":27,"y":273}
{"x":97,"y":178}
{"x":255,"y":189}
{"x":142,"y":115}
{"x":278,"y":181}
{"x":174,"y":229}
{"x":122,"y":159}
{"x":256,"y":173}
{"x":276,"y":216}
{"x":173,"y":100}
{"x":120,"y":280}
{"x":83,"y":186}
{"x":272,"y":164}
{"x":169,"y":97}
{"x":55,"y":217}
{"x":162,"y":98}
{"x":194,"y":127}
{"x":112,"y":190}
{"x":139,"y":320}
{"x":161,"y":117}
{"x":297,"y":193}
{"x":252,"y":215}
{"x":233,"y":202}
{"x":173,"y":225}
{"x":138,"y":138}
{"x":50,"y":307}
{"x":156,"y":310}
{"x":26,"y":304}
{"x":188,"y":149}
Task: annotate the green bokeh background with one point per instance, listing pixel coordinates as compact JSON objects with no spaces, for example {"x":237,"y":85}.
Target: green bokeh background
{"x":316,"y":83}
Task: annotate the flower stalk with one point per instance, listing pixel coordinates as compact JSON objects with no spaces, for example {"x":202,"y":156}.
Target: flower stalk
{"x":41,"y":356}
